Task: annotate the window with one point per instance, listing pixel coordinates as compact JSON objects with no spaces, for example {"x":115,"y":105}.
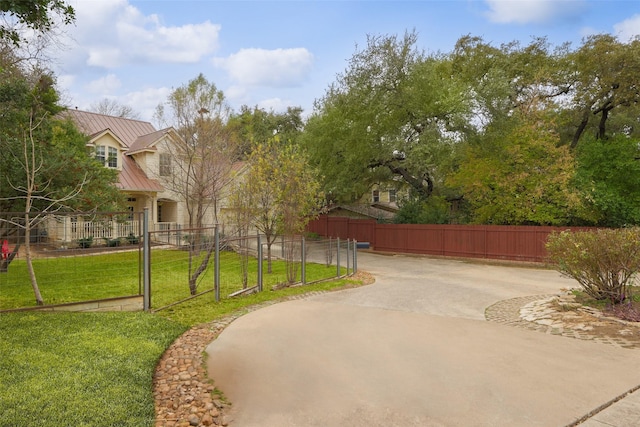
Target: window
{"x":113,"y":157}
{"x":165,"y":164}
{"x":375,"y":195}
{"x":100,"y":154}
{"x":392,"y":195}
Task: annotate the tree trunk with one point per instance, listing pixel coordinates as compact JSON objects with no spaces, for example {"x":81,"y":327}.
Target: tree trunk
{"x":27,"y":250}
{"x":193,"y":280}
{"x":603,"y":122}
{"x":581,"y":127}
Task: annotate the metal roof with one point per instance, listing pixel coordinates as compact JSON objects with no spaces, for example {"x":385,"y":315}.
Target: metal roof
{"x":132,"y":133}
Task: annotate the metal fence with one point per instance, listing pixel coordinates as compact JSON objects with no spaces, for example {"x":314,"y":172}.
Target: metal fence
{"x":80,"y":257}
{"x":193,"y":262}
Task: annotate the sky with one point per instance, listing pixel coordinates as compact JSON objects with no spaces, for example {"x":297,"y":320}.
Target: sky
{"x":279,"y":54}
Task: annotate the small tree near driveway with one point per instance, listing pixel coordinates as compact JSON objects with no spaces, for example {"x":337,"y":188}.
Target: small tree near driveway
{"x":279,"y":193}
{"x":605,"y":262}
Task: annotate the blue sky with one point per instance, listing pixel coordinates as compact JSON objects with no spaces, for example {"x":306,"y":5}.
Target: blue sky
{"x":276,"y":54}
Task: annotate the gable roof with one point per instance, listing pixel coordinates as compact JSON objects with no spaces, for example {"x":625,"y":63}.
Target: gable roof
{"x":128,"y":133}
{"x":148,"y":142}
{"x":108,"y":132}
{"x":127,"y":130}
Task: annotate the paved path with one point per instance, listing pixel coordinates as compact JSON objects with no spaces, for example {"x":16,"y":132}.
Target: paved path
{"x":414,"y":349}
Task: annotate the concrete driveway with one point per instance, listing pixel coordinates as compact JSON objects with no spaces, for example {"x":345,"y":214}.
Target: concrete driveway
{"x":413,"y":349}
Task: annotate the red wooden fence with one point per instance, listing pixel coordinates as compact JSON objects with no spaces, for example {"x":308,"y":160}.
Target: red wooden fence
{"x":519,"y":243}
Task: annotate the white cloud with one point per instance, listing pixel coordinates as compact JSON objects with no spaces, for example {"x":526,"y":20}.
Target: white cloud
{"x":145,"y":101}
{"x":65,"y":81}
{"x":113,"y":33}
{"x":104,"y":85}
{"x":261,"y":67}
{"x":533,"y":11}
{"x":276,"y":104}
{"x":628,"y":29}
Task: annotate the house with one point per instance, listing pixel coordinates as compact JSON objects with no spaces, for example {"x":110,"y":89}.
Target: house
{"x":146,"y":169}
{"x":379,"y":204}
{"x":135,"y":149}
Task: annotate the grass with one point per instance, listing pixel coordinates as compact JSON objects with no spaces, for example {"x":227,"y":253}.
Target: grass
{"x":115,"y":274}
{"x":204,"y":308}
{"x":80,"y":369}
{"x":71,"y":279}
{"x":96,"y":369}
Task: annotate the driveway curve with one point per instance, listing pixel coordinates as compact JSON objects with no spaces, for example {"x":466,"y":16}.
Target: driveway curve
{"x":413,"y":349}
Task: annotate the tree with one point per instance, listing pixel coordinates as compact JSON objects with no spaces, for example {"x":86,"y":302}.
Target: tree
{"x":520,"y":176}
{"x":604,"y":262}
{"x":254,"y":126}
{"x":37,"y":15}
{"x":201,"y":158}
{"x":111,"y":107}
{"x":278,"y":194}
{"x":390,"y":115}
{"x":45,"y":167}
{"x":608,"y":177}
{"x":604,"y":72}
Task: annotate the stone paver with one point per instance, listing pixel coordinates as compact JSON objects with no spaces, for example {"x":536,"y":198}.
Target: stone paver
{"x":560,"y":315}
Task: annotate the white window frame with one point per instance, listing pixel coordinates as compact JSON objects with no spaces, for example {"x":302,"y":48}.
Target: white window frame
{"x":164,"y":164}
{"x":112,"y":159}
{"x":101,"y":154}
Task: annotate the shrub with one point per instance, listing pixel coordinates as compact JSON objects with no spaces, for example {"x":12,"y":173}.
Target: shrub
{"x":133,"y":239}
{"x":85,"y":242}
{"x":112,"y":243}
{"x":604,"y":262}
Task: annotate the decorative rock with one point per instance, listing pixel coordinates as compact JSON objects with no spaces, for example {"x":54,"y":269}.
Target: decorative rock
{"x":194,"y":420}
{"x":207,"y":420}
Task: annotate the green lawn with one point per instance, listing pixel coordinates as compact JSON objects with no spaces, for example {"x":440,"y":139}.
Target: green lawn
{"x":96,"y":369}
{"x":80,"y":369}
{"x":71,"y":279}
{"x":81,"y":278}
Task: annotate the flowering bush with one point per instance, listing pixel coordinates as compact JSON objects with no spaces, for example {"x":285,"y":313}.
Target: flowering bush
{"x":605,"y":262}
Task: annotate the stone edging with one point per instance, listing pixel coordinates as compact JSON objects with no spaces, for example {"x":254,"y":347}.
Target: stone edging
{"x":184,"y":396}
{"x":559,"y":315}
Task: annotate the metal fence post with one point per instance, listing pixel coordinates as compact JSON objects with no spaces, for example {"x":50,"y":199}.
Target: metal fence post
{"x":338,"y":257}
{"x":259,"y":264}
{"x":303,"y":257}
{"x":355,"y":256}
{"x":348,"y":254}
{"x":216,"y":259}
{"x":146,"y":262}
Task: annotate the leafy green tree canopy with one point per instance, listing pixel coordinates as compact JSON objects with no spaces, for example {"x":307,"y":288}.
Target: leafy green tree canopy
{"x":38,"y":15}
{"x":253,"y":126}
{"x":608,"y":177}
{"x":388,"y":115}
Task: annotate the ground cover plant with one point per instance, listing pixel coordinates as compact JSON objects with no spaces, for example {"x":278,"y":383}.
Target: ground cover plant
{"x":80,"y":369}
